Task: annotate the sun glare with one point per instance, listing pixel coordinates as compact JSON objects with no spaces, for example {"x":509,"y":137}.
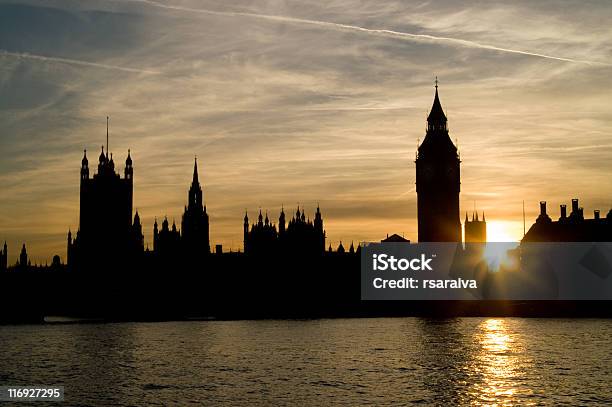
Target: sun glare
{"x":502,"y":231}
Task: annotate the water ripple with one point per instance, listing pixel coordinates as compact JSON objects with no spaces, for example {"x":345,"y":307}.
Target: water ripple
{"x":475,"y":361}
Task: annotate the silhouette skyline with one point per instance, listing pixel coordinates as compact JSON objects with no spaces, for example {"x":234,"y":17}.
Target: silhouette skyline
{"x":107,"y":237}
{"x":279,"y":271}
{"x":273,"y":106}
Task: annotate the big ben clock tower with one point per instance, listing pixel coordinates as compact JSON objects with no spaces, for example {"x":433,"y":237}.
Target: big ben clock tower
{"x":438,"y":181}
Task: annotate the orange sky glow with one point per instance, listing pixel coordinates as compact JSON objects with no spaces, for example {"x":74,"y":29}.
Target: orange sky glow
{"x":293,"y":102}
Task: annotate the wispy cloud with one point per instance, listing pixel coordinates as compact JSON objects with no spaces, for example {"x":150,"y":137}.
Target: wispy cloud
{"x":372,"y":31}
{"x":77,"y":62}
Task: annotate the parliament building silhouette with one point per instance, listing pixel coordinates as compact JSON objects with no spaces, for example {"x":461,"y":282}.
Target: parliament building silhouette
{"x":107,"y":232}
{"x":194,"y":241}
{"x":299,"y":236}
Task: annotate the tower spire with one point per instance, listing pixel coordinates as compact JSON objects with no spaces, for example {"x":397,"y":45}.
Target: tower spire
{"x":436,"y":118}
{"x":107,"y":135}
{"x":195,"y":171}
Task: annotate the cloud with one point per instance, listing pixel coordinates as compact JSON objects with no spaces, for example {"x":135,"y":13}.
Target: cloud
{"x":43,"y":58}
{"x":373,"y":31}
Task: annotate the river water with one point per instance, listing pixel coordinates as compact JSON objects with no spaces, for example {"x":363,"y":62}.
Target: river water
{"x":477,"y":361}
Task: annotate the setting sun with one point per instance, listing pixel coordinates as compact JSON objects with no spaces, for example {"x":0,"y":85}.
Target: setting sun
{"x":503,"y":231}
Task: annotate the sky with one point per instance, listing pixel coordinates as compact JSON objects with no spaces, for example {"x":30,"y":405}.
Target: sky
{"x":288,"y":102}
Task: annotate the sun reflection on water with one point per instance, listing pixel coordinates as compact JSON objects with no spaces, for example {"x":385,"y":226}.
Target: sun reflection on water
{"x":499,"y":364}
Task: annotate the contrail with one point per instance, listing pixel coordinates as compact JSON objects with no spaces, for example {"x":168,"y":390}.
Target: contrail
{"x":74,"y":62}
{"x":381,"y":32}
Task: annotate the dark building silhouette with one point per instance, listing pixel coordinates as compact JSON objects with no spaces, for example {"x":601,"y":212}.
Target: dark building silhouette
{"x":394,"y":238}
{"x":166,"y":242}
{"x":137,"y":238}
{"x":106,"y":234}
{"x":475,"y":229}
{"x":4,"y":258}
{"x":191,"y":243}
{"x":438,"y":181}
{"x":23,"y":258}
{"x":262,"y":236}
{"x":56,"y":263}
{"x":570,"y":228}
{"x":195,"y":228}
{"x":299,"y":235}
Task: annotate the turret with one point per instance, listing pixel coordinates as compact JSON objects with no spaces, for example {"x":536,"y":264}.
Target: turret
{"x":281,"y":221}
{"x":318,"y":220}
{"x":23,"y":256}
{"x":102,"y":162}
{"x":318,"y":226}
{"x":245,"y":231}
{"x":84,"y":166}
{"x":129,"y":170}
{"x":155,"y":236}
{"x":102,"y":158}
